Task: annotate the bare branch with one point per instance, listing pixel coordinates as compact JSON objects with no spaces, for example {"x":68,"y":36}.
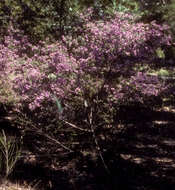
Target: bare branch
{"x":74,"y":126}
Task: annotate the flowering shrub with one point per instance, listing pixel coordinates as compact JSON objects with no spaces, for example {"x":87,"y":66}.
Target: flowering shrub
{"x":107,"y":52}
{"x":99,"y":64}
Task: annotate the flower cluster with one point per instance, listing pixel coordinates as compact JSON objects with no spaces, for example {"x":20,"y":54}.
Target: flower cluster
{"x":101,"y":59}
{"x":107,"y":52}
{"x":37,"y":73}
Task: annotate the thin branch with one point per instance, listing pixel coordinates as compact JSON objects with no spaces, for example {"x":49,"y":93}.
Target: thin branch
{"x":96,"y":141}
{"x":40,"y":132}
{"x":74,"y":126}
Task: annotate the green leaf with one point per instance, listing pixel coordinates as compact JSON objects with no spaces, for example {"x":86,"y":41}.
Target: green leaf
{"x":160,"y":53}
{"x":60,"y":109}
{"x":163,"y":72}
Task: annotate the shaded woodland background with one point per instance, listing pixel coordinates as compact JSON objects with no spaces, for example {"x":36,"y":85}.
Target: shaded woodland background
{"x":136,"y":151}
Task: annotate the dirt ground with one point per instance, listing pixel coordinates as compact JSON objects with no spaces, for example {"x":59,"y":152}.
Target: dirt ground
{"x":141,"y":156}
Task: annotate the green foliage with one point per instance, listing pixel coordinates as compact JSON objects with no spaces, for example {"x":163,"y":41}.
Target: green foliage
{"x":41,"y":19}
{"x":9,"y":154}
{"x":163,"y":72}
{"x":7,"y":95}
{"x":160,"y":53}
{"x":60,"y":109}
{"x":36,"y":18}
{"x":128,"y":6}
{"x":169,"y":15}
{"x":152,"y":10}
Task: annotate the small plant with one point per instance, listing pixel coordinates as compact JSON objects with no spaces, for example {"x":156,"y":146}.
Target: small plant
{"x":163,"y":72}
{"x":9,"y":153}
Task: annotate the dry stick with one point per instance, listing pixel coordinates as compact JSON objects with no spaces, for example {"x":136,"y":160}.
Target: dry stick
{"x":54,"y":140}
{"x":96,"y":142}
{"x":40,"y":132}
{"x":74,"y":126}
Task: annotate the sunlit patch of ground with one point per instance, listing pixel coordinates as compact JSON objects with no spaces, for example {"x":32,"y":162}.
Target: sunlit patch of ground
{"x":139,"y":160}
{"x":15,"y":186}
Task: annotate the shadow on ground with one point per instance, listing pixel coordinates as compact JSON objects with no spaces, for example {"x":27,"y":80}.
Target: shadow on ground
{"x":140,"y":154}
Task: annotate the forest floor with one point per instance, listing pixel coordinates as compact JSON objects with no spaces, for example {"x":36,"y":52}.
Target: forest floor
{"x":141,"y":158}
